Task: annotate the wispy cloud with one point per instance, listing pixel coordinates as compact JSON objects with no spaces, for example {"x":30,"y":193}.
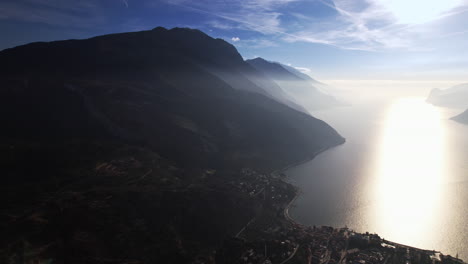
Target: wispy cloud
{"x":257,"y":15}
{"x":367,"y":28}
{"x":222,"y":25}
{"x":256,"y":43}
{"x":235,"y":39}
{"x":303,"y":69}
{"x":370,"y":25}
{"x":456,"y":33}
{"x":76,"y":14}
{"x":374,"y":26}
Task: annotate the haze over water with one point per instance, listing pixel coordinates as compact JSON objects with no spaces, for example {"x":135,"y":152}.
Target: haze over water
{"x":401,"y":174}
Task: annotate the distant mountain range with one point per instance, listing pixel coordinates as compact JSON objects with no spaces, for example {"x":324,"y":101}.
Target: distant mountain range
{"x":301,"y":87}
{"x":455,"y":97}
{"x":462,"y":118}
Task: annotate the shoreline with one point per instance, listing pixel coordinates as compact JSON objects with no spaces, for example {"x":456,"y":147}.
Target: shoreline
{"x":298,"y":191}
{"x":318,"y":152}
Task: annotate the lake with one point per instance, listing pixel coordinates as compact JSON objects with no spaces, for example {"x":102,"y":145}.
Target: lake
{"x":403,"y":174}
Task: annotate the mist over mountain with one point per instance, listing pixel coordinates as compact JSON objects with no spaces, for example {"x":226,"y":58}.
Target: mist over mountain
{"x":304,"y":89}
{"x":454,"y":97}
{"x":322,"y":87}
{"x":301,"y":74}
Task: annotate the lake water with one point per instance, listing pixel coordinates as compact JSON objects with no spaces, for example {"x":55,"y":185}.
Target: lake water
{"x":403,"y":174}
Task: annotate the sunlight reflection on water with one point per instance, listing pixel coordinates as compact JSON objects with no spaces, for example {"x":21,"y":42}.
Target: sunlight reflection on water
{"x":403,"y":174}
{"x":410,"y":170}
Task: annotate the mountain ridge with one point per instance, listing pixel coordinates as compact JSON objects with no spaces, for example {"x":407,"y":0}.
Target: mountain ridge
{"x":138,"y":147}
{"x":302,"y":88}
{"x":451,"y":97}
{"x":147,"y":74}
{"x":461,"y":118}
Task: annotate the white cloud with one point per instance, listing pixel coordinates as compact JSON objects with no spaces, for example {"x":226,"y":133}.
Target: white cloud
{"x":257,"y":43}
{"x":235,"y":39}
{"x":426,"y":10}
{"x":303,"y":69}
{"x":364,"y":25}
{"x":367,"y":28}
{"x":221,"y":25}
{"x":63,"y":13}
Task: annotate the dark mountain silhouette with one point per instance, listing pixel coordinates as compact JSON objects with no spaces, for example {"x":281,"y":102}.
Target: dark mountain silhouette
{"x":304,"y":89}
{"x":151,"y":147}
{"x":274,"y":69}
{"x":462,"y":118}
{"x":179,"y":91}
{"x":454,"y":97}
{"x":126,"y":148}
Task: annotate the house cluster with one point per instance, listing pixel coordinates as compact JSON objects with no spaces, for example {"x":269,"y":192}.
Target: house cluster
{"x":274,"y":251}
{"x":369,"y":256}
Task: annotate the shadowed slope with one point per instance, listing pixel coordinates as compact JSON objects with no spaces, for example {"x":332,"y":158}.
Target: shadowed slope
{"x":158,"y":88}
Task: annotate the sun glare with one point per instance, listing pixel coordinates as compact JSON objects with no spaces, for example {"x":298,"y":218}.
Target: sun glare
{"x":410,"y":170}
{"x":418,"y":11}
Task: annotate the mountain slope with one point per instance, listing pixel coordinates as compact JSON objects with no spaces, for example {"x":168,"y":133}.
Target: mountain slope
{"x":301,"y":87}
{"x":322,"y":87}
{"x":455,"y":96}
{"x":462,"y":118}
{"x":128,"y":148}
{"x":157,"y":88}
{"x":299,"y":73}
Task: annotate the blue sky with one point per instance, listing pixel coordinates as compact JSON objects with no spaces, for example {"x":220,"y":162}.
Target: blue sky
{"x":329,"y":39}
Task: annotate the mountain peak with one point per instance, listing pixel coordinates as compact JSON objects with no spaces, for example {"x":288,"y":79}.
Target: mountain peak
{"x":183,"y":31}
{"x":301,"y":87}
{"x":117,"y":50}
{"x":274,"y":69}
{"x":451,"y":97}
{"x":177,"y":29}
{"x":161,"y":29}
{"x":259,"y":59}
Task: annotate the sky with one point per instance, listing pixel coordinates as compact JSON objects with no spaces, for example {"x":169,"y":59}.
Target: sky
{"x":402,"y":40}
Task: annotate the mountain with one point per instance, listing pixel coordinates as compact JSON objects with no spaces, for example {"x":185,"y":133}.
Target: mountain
{"x":322,"y":87}
{"x":455,"y":97}
{"x":299,"y":73}
{"x":462,"y":118}
{"x":155,"y":87}
{"x":138,"y":148}
{"x":304,"y":89}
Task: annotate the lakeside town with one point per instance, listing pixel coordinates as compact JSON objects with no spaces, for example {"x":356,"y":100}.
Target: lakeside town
{"x":203,"y":216}
{"x":273,"y":236}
